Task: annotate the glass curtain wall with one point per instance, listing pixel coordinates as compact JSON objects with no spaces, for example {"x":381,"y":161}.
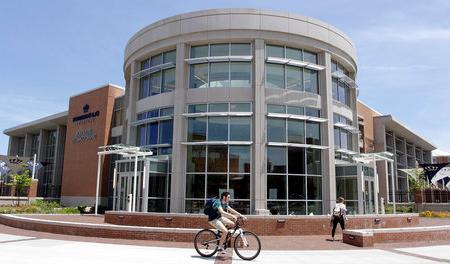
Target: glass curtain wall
{"x":161,"y":74}
{"x":225,"y":166}
{"x":221,"y":73}
{"x":280,"y":76}
{"x":156,"y":130}
{"x":347,"y":186}
{"x":340,"y":90}
{"x":294,"y":173}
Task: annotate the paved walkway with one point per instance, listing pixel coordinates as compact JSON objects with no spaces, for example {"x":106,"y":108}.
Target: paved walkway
{"x":27,"y":249}
{"x":319,"y":242}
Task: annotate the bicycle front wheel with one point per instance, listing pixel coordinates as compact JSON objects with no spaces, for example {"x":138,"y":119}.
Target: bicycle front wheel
{"x":206,"y":243}
{"x":247,"y":246}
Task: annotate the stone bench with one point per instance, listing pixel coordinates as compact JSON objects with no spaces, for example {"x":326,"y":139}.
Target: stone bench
{"x":369,"y":237}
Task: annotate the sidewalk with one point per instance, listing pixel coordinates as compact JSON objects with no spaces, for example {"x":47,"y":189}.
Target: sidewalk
{"x":44,"y":251}
{"x":268,"y":242}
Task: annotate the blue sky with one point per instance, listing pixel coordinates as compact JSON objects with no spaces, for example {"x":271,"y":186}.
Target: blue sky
{"x":50,"y":50}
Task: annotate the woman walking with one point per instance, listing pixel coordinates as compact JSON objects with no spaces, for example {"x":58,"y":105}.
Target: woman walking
{"x":339,"y":215}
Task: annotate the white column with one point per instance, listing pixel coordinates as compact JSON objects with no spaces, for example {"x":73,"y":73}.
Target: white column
{"x":376,"y":184}
{"x":393,"y":187}
{"x":34,"y":167}
{"x":114,"y":186}
{"x":133,"y":202}
{"x":99,"y":167}
{"x":145,"y":187}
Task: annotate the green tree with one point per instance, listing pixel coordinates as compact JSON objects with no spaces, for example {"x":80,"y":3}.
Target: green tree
{"x":417,"y":180}
{"x":20,"y":181}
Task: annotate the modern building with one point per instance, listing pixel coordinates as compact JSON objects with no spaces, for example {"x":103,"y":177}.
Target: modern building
{"x":259,"y":103}
{"x":67,"y":144}
{"x":440,"y":156}
{"x":383,"y":133}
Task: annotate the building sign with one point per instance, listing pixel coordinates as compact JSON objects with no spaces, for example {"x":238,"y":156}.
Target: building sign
{"x":87,"y":115}
{"x":84,"y":135}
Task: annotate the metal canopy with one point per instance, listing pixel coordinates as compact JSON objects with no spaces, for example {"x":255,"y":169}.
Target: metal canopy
{"x":125,"y":151}
{"x":374,"y":157}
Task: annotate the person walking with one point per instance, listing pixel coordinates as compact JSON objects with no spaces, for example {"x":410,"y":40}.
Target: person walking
{"x":338,"y":215}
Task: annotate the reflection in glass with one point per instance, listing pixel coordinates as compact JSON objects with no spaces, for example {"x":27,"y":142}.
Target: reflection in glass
{"x":240,"y":128}
{"x":240,"y":159}
{"x":196,"y":158}
{"x":217,"y":128}
{"x":276,"y":159}
{"x":198,"y":76}
{"x":217,"y":158}
{"x":276,"y":130}
{"x":276,"y":187}
{"x":197,"y":129}
{"x":216,"y":184}
{"x":240,"y":74}
{"x":274,"y":76}
{"x":219,"y":74}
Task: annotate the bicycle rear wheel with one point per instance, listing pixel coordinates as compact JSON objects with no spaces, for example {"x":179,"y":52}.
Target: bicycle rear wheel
{"x":206,"y":243}
{"x":247,"y":246}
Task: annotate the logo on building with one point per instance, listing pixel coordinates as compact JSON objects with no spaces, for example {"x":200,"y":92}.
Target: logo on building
{"x":86,"y":116}
{"x":85,"y":108}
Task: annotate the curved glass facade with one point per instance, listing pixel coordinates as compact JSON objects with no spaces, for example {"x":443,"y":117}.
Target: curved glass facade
{"x":252,"y":115}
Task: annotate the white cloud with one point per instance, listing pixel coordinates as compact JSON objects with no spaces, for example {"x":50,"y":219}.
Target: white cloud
{"x":405,"y":34}
{"x":390,"y":68}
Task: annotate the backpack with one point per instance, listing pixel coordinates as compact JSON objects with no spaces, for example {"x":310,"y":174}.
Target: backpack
{"x":337,"y":211}
{"x":209,"y":209}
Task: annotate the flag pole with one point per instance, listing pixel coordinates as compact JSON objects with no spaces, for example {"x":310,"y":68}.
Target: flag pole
{"x":34,"y":167}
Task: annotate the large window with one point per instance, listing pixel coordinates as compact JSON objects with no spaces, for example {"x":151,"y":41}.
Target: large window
{"x":224,"y":68}
{"x":291,"y":77}
{"x":155,"y":129}
{"x":347,"y":186}
{"x":222,"y":124}
{"x":157,"y":74}
{"x":211,"y":167}
{"x":340,"y":90}
{"x":294,"y":181}
{"x":343,"y":137}
{"x":290,"y":129}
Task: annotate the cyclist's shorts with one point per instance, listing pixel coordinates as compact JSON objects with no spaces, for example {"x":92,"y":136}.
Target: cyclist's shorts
{"x":220,"y":223}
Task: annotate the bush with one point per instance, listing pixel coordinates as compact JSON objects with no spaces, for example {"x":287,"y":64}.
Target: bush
{"x":435,"y":214}
{"x":389,"y":209}
{"x":39,"y":207}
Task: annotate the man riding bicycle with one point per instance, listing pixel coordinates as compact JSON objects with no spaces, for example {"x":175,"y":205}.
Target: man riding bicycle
{"x":220,"y":219}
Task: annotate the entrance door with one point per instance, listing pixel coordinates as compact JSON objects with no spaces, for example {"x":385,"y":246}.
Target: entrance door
{"x":124,"y":193}
{"x":369,"y":201}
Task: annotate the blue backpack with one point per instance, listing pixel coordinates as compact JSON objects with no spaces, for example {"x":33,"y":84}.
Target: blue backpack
{"x":209,"y":210}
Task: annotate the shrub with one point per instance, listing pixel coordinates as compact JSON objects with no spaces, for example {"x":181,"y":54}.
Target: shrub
{"x":435,"y":214}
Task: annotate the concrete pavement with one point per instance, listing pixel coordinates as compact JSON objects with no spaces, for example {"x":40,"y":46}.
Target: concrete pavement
{"x":26,"y":249}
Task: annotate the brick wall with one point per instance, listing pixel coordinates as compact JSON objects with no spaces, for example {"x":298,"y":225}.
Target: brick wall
{"x":264,"y":225}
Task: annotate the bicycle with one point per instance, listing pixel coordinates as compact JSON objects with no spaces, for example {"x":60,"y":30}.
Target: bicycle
{"x":246,"y":244}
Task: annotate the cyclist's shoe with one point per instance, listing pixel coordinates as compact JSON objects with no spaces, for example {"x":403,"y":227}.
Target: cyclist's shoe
{"x":220,"y":250}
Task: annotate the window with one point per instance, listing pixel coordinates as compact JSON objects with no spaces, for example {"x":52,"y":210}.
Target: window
{"x":219,"y":128}
{"x":212,"y":169}
{"x":298,"y":131}
{"x":221,"y":74}
{"x":294,"y":182}
{"x":156,"y":128}
{"x":279,"y":76}
{"x":228,"y":169}
{"x":341,"y":91}
{"x":161,"y":79}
